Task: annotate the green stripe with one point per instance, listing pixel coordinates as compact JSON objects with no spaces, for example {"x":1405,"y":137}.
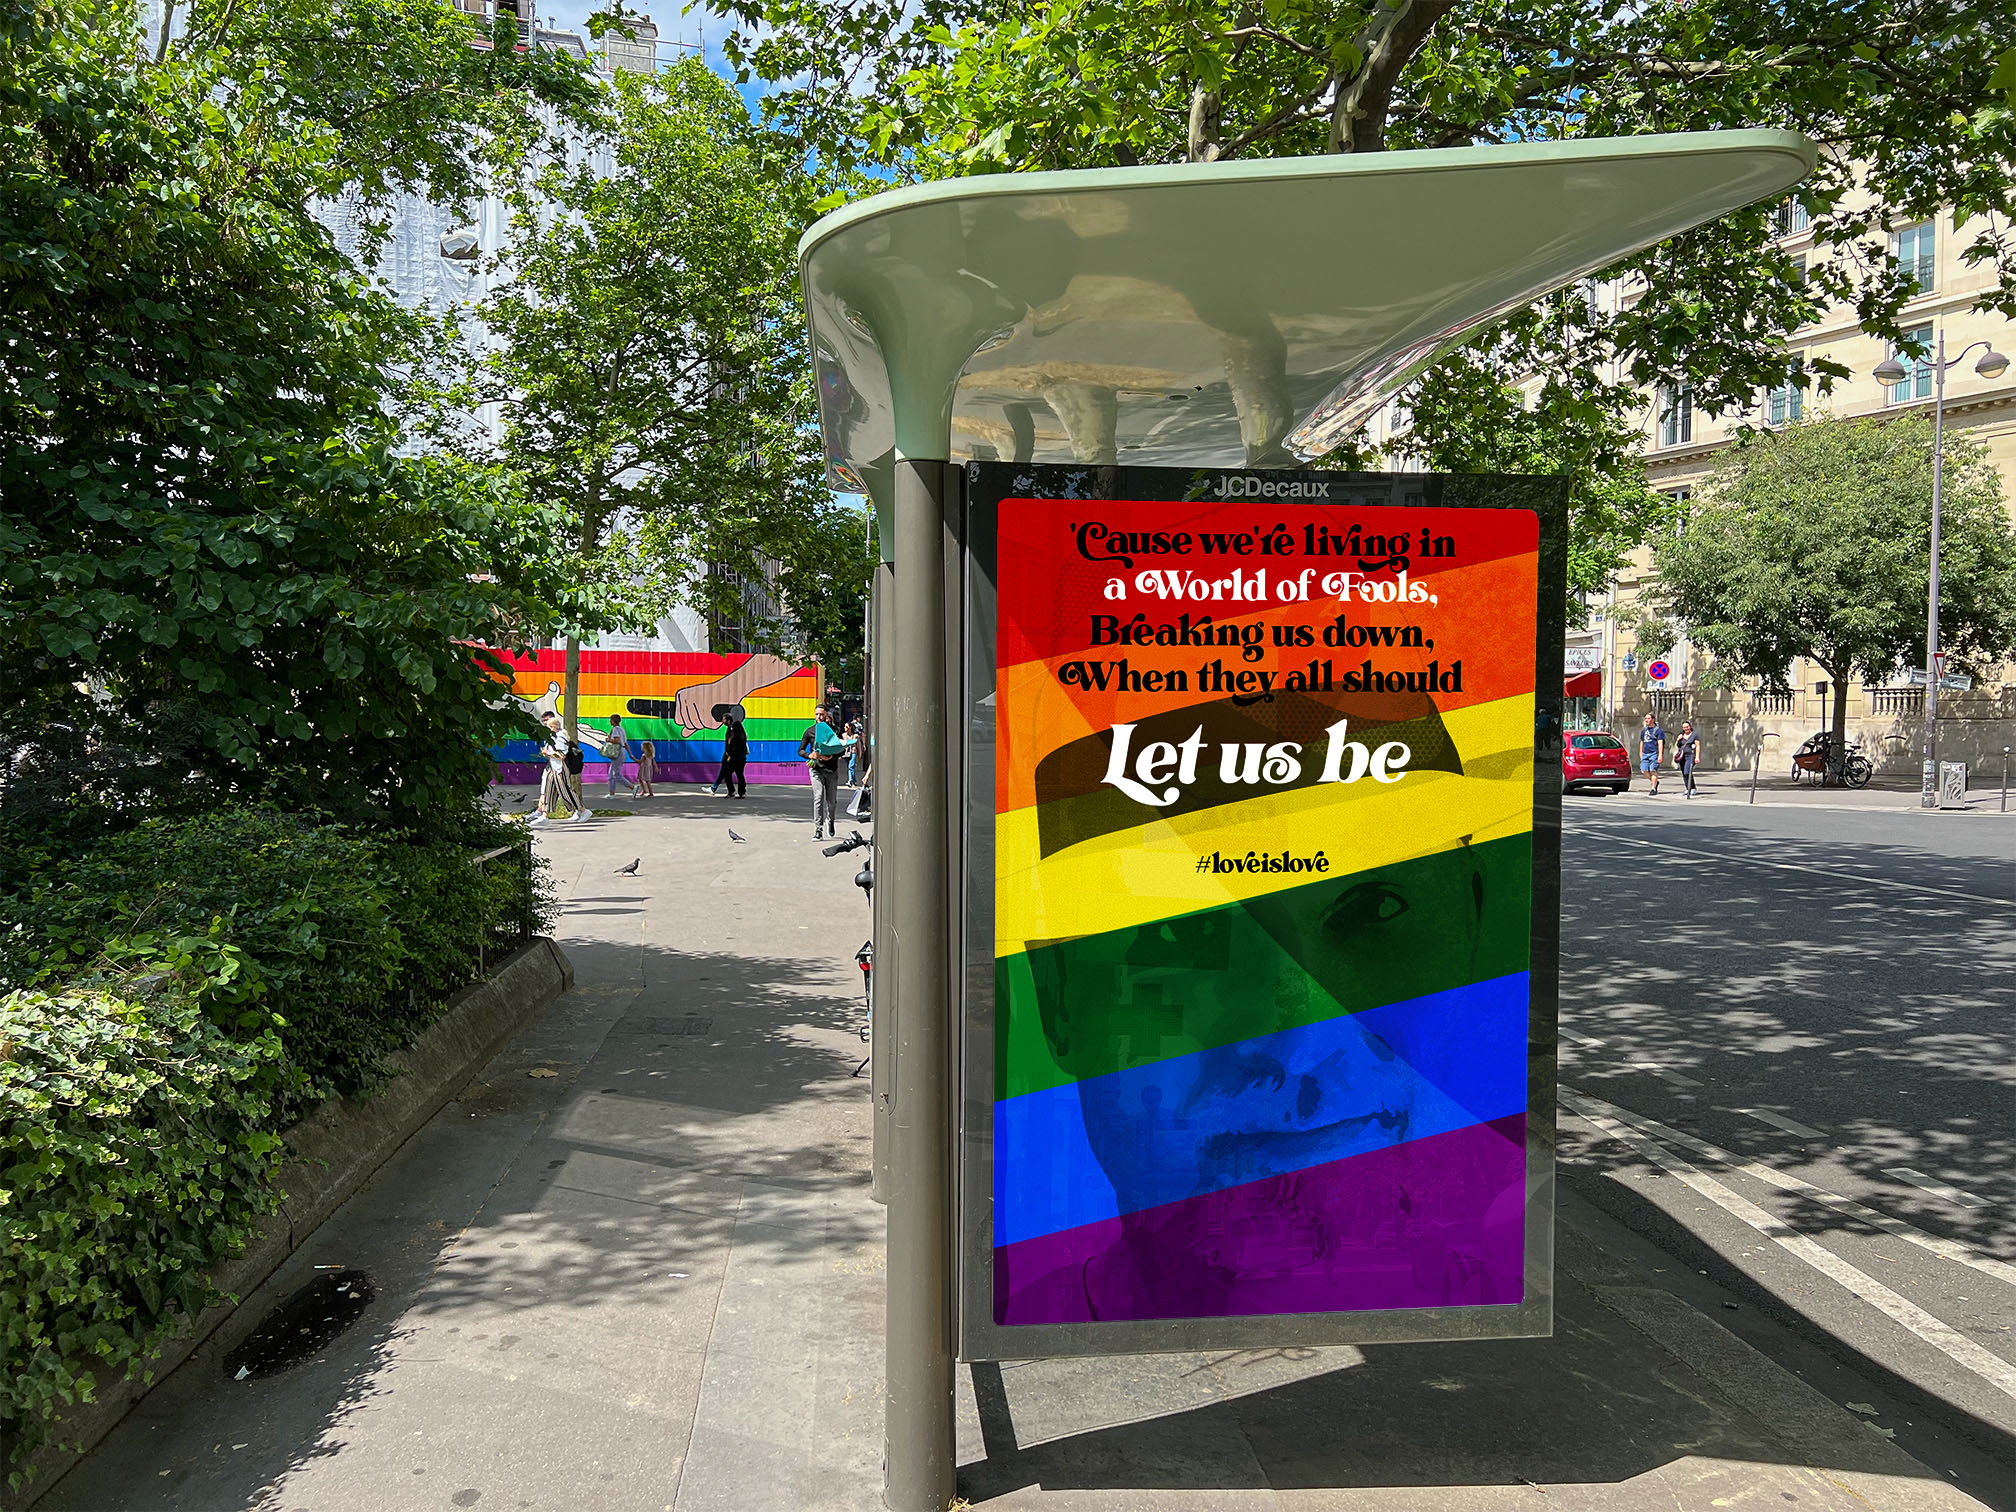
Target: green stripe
{"x":1197,"y":981}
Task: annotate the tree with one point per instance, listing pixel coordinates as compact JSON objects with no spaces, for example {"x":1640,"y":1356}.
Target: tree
{"x":1911,"y":101}
{"x":648,"y":351}
{"x":205,"y":511}
{"x":1815,"y":541}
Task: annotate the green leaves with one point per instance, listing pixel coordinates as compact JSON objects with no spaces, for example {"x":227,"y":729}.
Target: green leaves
{"x":1815,"y":541}
{"x":131,"y":1159}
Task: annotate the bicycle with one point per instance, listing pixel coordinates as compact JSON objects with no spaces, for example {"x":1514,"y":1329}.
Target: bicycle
{"x":865,"y":956}
{"x":1816,"y":759}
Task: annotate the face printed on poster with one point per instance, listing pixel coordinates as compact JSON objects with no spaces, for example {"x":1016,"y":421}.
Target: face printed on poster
{"x":1263,"y":901}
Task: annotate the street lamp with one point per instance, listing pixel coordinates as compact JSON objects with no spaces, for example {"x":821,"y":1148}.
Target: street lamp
{"x":1992,"y":365}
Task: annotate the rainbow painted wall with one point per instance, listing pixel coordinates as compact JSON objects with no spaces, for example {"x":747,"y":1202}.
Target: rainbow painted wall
{"x":664,"y":697}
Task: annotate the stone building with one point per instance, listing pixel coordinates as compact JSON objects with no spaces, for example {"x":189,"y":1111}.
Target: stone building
{"x":1681,"y":446}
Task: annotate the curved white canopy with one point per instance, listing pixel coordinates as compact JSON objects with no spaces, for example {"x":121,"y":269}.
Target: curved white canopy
{"x":1242,"y":314}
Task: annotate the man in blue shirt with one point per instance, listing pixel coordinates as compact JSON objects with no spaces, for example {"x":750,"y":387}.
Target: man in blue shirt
{"x":1651,"y":751}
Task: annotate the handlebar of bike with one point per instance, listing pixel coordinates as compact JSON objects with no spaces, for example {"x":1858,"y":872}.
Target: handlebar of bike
{"x":853,"y":842}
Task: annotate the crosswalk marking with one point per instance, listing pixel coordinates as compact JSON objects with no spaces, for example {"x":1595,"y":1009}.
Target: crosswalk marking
{"x":1942,"y":1336}
{"x":1780,"y":1121}
{"x":1938,"y":1188}
{"x":1945,"y":1249}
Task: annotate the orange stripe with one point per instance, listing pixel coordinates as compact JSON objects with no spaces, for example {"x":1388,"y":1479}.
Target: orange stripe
{"x":1486,"y":611}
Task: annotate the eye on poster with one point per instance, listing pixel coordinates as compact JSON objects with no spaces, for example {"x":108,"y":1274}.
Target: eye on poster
{"x":1260,"y":908}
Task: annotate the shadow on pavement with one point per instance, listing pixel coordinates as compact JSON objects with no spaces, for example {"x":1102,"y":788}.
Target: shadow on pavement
{"x":1877,"y":1015}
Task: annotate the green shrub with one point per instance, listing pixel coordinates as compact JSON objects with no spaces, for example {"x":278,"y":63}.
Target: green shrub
{"x":355,"y":939}
{"x":134,"y":1155}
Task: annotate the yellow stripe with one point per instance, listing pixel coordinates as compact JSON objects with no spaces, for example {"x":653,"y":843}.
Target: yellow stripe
{"x":1135,"y":876}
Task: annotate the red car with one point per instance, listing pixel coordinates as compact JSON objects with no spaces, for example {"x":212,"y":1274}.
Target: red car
{"x":1594,"y":759}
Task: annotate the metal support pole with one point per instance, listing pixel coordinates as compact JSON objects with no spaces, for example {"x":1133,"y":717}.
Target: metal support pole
{"x":1928,"y":794}
{"x":913,"y":834}
{"x":2005,"y":779}
{"x":881,"y":1043}
{"x":1756,"y":762}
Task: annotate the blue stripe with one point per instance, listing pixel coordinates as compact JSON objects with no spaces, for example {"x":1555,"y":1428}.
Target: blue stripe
{"x":1197,"y":1123}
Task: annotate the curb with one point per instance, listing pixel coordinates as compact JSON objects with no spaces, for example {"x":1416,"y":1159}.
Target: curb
{"x":335,"y":1151}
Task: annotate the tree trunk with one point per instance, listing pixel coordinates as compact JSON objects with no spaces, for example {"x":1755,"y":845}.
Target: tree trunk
{"x":1388,"y":40}
{"x":570,"y":687}
{"x":1838,"y":762}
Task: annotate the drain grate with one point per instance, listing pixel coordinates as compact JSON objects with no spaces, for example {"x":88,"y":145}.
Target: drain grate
{"x":303,"y":1324}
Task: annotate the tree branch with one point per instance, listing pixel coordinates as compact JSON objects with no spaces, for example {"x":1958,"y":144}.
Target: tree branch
{"x":1385,"y":43}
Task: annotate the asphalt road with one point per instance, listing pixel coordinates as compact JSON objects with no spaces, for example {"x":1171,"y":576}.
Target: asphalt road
{"x":1787,"y":1045}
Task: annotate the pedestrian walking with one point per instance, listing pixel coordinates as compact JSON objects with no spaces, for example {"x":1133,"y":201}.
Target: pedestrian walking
{"x":855,"y":756}
{"x":734,"y":758}
{"x":616,"y":751}
{"x":1651,"y":751}
{"x":554,"y":790}
{"x":647,"y":768}
{"x":824,"y":747}
{"x":1686,"y":751}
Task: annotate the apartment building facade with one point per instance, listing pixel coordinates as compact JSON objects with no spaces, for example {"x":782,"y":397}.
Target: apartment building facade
{"x":1609,"y":686}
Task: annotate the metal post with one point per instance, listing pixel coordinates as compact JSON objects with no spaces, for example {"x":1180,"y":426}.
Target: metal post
{"x":1928,"y":793}
{"x":881,"y":1043}
{"x":1758,"y":760}
{"x":914,"y":836}
{"x":2005,"y":779}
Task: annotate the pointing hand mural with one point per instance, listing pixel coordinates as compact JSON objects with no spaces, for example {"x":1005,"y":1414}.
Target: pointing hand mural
{"x":676,"y":701}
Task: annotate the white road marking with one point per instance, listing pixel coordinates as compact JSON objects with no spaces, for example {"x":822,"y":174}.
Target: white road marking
{"x":1702,"y":856}
{"x":1581,"y":1039}
{"x":1942,"y":1336}
{"x":1945,"y":1249}
{"x":1938,"y":1188}
{"x":1660,"y":1071}
{"x":1780,"y":1121}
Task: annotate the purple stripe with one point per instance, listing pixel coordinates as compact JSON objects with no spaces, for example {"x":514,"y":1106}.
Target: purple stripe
{"x":1436,"y":1222}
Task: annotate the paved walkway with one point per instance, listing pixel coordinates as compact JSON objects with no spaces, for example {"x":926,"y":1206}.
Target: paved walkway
{"x":637,"y":1268}
{"x":1890,"y":792}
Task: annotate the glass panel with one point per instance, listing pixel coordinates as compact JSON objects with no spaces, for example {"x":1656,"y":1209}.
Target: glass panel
{"x":1248,"y":1000}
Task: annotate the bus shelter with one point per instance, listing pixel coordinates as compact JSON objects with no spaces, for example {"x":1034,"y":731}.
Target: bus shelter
{"x":1218,"y":793}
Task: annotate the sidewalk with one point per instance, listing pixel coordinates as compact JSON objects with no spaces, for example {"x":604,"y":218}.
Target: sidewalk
{"x":1886,"y":792}
{"x":652,"y":1280}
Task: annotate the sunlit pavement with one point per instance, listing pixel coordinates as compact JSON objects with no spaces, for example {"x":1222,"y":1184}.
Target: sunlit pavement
{"x":637,"y":1265}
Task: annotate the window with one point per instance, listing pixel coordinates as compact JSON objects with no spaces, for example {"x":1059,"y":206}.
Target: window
{"x":1791,"y":218}
{"x":1917,"y":382}
{"x":1676,"y":415}
{"x":1597,"y":743}
{"x":1914,"y":248}
{"x":1799,"y":267}
{"x":1785,"y":403}
{"x":1681,"y":499}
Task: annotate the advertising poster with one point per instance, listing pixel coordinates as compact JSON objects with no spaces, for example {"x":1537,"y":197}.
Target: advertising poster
{"x":1262,"y":924}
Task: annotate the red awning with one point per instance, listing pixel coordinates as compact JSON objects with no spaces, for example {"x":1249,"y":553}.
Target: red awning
{"x":1583,"y":684}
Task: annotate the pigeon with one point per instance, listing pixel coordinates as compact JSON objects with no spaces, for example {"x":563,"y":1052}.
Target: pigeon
{"x":738,"y":839}
{"x":631,"y":869}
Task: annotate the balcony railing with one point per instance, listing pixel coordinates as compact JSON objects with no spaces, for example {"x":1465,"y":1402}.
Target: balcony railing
{"x":1896,"y":700}
{"x":1770,"y":703}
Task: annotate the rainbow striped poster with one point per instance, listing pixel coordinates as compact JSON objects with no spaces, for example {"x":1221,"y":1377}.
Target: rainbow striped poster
{"x":1262,"y":911}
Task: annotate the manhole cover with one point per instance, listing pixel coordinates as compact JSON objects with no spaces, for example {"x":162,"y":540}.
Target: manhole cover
{"x":301,"y":1325}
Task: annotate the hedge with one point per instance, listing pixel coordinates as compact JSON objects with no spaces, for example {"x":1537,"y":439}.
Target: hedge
{"x":134,"y":1155}
{"x":172,"y":996}
{"x":356,"y":939}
